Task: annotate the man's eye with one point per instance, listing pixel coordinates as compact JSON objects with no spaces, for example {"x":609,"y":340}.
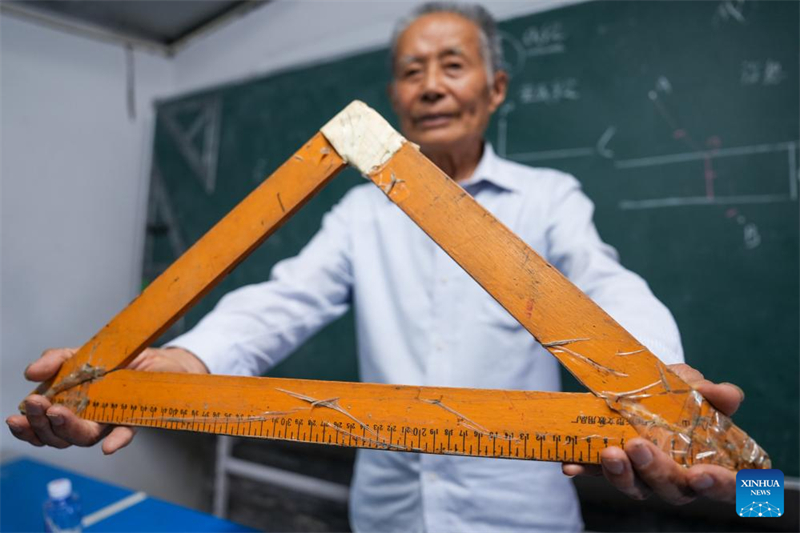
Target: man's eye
{"x":454,"y":66}
{"x":411,"y":72}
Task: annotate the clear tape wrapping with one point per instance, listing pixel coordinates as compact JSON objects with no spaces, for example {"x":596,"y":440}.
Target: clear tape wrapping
{"x":710,"y":437}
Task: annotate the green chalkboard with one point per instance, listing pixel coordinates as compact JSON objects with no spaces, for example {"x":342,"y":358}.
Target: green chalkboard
{"x":680,"y":120}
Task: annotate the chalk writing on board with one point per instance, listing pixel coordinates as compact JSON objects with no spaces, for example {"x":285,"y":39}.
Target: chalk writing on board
{"x":513,"y":53}
{"x":658,"y":95}
{"x":502,"y":127}
{"x":663,"y":84}
{"x":550,"y":91}
{"x":600,"y":148}
{"x":768,"y":72}
{"x":699,"y":155}
{"x":750,"y":234}
{"x":544,"y":39}
{"x":162,"y":222}
{"x":730,"y":10}
{"x":790,"y":194}
{"x":602,"y":143}
{"x":195,"y":126}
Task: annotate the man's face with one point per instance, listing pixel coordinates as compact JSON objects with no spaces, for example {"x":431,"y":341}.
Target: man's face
{"x":441,"y":90}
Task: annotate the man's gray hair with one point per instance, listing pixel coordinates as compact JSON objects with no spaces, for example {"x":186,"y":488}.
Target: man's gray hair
{"x":491,"y":48}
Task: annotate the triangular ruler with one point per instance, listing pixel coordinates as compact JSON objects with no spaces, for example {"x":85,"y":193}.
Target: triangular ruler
{"x":633,"y":393}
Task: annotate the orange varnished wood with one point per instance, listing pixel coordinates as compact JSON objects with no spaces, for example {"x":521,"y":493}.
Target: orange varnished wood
{"x":548,"y":305}
{"x":623,"y":375}
{"x":199,"y":269}
{"x":599,"y":352}
{"x":489,"y":423}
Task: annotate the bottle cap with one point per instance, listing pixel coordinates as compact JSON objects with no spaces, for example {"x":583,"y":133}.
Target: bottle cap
{"x":58,"y":489}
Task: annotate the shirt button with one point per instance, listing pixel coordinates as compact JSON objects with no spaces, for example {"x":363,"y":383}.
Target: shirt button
{"x":432,"y":476}
{"x":443,"y":280}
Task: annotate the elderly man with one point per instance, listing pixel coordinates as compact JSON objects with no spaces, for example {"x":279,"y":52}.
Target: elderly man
{"x":431,"y":324}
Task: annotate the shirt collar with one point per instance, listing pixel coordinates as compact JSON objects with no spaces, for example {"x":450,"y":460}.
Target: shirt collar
{"x":488,"y":170}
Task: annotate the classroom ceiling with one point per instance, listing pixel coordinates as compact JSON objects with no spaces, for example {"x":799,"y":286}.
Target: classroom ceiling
{"x":163,"y":22}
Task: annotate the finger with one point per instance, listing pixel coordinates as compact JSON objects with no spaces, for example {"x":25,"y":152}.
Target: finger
{"x":35,"y":410}
{"x":153,"y":360}
{"x":619,"y":472}
{"x":22,"y":430}
{"x":48,"y":364}
{"x":141,"y":359}
{"x":687,"y":373}
{"x":71,"y":428}
{"x":713,"y":482}
{"x":119,"y":437}
{"x":659,"y":471}
{"x":726,"y":397}
{"x":579,"y":469}
{"x":152,"y":364}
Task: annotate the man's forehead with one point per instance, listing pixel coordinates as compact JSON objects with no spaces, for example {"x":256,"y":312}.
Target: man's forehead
{"x":438,"y":34}
{"x":447,"y":51}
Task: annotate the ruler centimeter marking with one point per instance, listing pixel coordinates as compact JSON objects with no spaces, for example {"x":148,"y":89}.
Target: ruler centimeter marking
{"x":439,"y":420}
{"x":425,"y":435}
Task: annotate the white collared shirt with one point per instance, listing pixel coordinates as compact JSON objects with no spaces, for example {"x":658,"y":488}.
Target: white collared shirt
{"x":421,"y":320}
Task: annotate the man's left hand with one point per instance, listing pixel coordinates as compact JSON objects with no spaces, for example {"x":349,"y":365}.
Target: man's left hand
{"x":642,"y":469}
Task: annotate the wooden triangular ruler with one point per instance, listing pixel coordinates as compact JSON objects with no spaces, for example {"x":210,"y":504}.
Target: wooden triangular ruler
{"x":632,"y":391}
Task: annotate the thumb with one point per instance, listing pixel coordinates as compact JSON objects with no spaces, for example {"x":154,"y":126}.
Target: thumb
{"x":48,"y":364}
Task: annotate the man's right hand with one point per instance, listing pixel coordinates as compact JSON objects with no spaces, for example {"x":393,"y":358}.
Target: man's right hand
{"x":45,"y":424}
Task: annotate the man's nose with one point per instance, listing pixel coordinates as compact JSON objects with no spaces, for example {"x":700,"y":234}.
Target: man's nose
{"x":432,"y":85}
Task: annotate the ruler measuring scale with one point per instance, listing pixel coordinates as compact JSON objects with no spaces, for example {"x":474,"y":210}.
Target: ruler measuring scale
{"x":634,"y":394}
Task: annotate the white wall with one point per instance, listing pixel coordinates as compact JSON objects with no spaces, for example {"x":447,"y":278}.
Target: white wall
{"x":74,"y":177}
{"x":75,"y":171}
{"x":285,"y":34}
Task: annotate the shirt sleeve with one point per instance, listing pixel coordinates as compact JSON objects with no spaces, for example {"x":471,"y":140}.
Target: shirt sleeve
{"x":253,"y":328}
{"x":575,"y":248}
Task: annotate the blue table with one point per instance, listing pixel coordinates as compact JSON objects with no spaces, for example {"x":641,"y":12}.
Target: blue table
{"x":23,"y":490}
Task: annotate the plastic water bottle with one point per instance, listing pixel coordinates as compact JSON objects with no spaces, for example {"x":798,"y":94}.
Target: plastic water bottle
{"x":62,"y":512}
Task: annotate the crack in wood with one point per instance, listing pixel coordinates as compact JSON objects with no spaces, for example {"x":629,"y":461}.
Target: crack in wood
{"x":331,"y":403}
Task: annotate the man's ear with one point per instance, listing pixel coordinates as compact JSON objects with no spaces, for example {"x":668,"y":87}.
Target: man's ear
{"x":498,"y":90}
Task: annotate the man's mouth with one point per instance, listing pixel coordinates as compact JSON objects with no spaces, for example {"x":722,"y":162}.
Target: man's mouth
{"x":434,"y":120}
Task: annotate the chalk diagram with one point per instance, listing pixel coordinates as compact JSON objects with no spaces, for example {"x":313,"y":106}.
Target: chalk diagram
{"x":708,"y":151}
{"x":162,"y":222}
{"x":764,"y":509}
{"x":195,"y":127}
